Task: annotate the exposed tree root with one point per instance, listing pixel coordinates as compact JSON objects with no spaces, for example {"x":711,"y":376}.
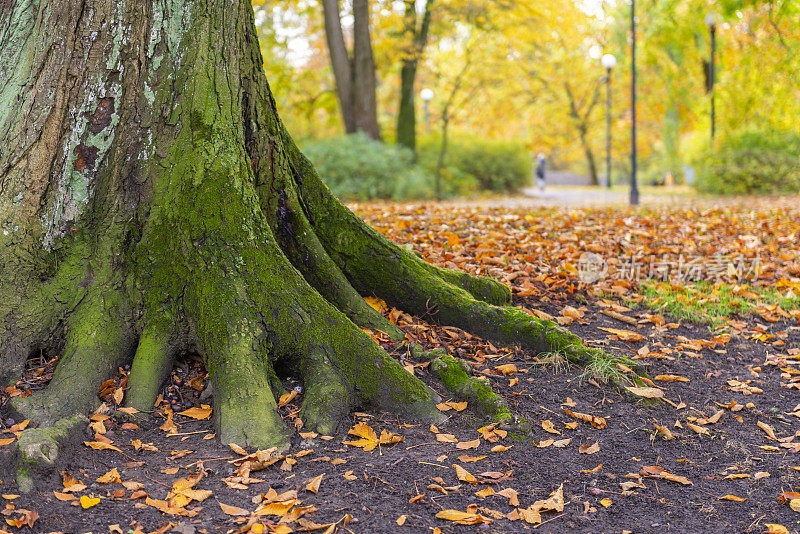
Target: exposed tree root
{"x":218,"y":236}
{"x":98,"y":340}
{"x":151,"y":366}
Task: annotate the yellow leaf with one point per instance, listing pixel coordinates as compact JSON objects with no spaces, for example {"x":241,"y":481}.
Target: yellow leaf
{"x":88,"y":502}
{"x":589,"y":449}
{"x":462,"y":518}
{"x":506,"y":369}
{"x":467,"y":458}
{"x":511,"y":495}
{"x":650,"y":393}
{"x":500,"y":448}
{"x":624,"y":335}
{"x":10,"y":497}
{"x":401,"y":520}
{"x":110,"y":477}
{"x":767,"y":430}
{"x":6,"y":441}
{"x":313,"y":484}
{"x":376,"y":303}
{"x":286,"y":398}
{"x":118,"y":394}
{"x":204,"y":412}
{"x":463,"y":445}
{"x":486,"y":492}
{"x":464,"y":475}
{"x":64,"y":496}
{"x":547,"y":425}
{"x":233,"y":510}
{"x":671,"y":378}
{"x":732,"y":498}
{"x":775,"y":528}
{"x":698,"y":429}
{"x":606,"y":502}
{"x":794,"y":504}
{"x":760,"y":475}
{"x":99,"y":445}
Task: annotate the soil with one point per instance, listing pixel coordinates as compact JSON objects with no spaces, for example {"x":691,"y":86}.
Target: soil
{"x":382,"y":482}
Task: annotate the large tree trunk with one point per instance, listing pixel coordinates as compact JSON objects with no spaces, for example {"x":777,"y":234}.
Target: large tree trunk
{"x":151,"y":201}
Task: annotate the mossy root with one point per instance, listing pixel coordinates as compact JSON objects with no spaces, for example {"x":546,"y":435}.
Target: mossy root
{"x":98,"y":342}
{"x":151,"y":366}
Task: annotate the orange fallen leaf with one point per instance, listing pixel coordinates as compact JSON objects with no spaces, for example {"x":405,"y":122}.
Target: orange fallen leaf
{"x":464,"y":475}
{"x":767,"y":430}
{"x":506,"y":369}
{"x":594,"y":420}
{"x":313,"y":484}
{"x":462,"y":518}
{"x":589,"y":449}
{"x":99,"y":445}
{"x":547,"y":426}
{"x":233,"y":510}
{"x":624,"y":335}
{"x":204,"y":412}
{"x":650,"y":393}
{"x":732,"y":498}
{"x":671,"y":378}
{"x":110,"y":477}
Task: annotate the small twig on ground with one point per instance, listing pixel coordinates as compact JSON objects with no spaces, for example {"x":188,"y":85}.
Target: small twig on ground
{"x":543,"y":522}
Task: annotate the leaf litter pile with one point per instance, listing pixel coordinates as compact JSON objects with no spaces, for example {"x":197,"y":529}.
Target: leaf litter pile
{"x":710,"y":442}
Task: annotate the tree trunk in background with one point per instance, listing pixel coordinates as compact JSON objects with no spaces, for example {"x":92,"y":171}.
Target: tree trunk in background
{"x":406,"y":115}
{"x":354,"y":73}
{"x":340,"y":63}
{"x":366,"y":106}
{"x":591,"y":164}
{"x":151,"y":202}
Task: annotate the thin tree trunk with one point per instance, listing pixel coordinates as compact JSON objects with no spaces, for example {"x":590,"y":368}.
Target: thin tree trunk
{"x":590,"y":159}
{"x":406,"y":115}
{"x":365,"y":104}
{"x":340,"y":63}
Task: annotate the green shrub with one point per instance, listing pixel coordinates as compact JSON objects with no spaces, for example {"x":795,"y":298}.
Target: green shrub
{"x":356,"y":167}
{"x":752,"y":161}
{"x":472,"y":163}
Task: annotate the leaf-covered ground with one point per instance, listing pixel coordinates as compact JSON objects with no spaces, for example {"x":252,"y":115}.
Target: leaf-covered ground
{"x":717,"y":453}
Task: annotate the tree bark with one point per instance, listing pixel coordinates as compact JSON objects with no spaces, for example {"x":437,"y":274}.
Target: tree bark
{"x":340,"y":63}
{"x":151,"y":202}
{"x":354,"y":74}
{"x":406,"y":115}
{"x":366,"y":106}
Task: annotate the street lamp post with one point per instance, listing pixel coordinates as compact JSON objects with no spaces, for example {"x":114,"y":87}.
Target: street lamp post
{"x":712,"y":29}
{"x":426,"y":95}
{"x":634,"y":187}
{"x":609,"y":62}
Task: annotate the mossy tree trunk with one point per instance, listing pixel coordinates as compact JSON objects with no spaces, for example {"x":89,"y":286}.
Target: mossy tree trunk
{"x":151,"y":201}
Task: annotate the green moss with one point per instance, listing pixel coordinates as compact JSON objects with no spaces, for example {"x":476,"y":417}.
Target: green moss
{"x":477,"y":393}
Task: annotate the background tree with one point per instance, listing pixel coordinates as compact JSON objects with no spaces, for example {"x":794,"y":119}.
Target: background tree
{"x":152,"y":202}
{"x":415,"y":32}
{"x":354,"y":73}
